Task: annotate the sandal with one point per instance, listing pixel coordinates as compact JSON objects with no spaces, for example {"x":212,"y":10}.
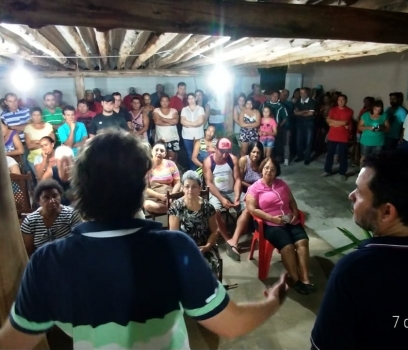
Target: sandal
{"x":310,"y":287}
{"x":301,"y":288}
{"x":232,"y":254}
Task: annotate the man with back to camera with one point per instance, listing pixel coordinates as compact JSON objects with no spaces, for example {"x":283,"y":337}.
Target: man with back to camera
{"x":120,"y":302}
{"x":396,"y":117}
{"x":364,"y":306}
{"x":108,"y":118}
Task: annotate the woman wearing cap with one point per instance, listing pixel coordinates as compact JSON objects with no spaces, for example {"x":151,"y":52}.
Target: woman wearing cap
{"x":271,"y":200}
{"x":164,"y":176}
{"x":249,"y":120}
{"x":192,"y":119}
{"x":166,"y":120}
{"x":140,"y":120}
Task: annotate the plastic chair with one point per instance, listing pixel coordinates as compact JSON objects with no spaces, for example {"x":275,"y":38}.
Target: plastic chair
{"x":265,"y":248}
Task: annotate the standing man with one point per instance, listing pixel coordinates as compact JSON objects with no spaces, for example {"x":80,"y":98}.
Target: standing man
{"x":340,"y":121}
{"x":155,"y":96}
{"x":118,"y":109}
{"x":364,"y":306}
{"x":127,"y":100}
{"x":108,"y":118}
{"x":58,"y":99}
{"x":179,"y":100}
{"x":92,"y":104}
{"x":222,"y":176}
{"x":290,"y":124}
{"x":118,"y":302}
{"x":72,"y":134}
{"x":97,"y":95}
{"x":305,"y":115}
{"x":83,"y":114}
{"x":16,"y":119}
{"x":396,"y":116}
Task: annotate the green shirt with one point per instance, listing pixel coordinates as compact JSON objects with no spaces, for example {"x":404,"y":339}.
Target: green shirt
{"x":370,"y":137}
{"x":53,"y":118}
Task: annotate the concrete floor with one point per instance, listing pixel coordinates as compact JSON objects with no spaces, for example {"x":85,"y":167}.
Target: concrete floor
{"x":325,"y":202}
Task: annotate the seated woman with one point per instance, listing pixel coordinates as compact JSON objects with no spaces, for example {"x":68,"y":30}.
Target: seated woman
{"x":271,"y":200}
{"x":61,"y":172}
{"x":196,"y":217}
{"x":46,"y":160}
{"x":163,"y":177}
{"x":12,"y":142}
{"x":249,"y":165}
{"x":51,"y":220}
{"x":13,"y":166}
{"x":204,"y":147}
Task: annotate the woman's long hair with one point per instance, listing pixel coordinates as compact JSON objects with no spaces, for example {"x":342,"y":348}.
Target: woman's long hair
{"x":258,"y":145}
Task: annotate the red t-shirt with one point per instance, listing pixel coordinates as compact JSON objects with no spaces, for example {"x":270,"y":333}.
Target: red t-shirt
{"x":261,"y":98}
{"x":177,"y":103}
{"x":340,"y":133}
{"x":88,"y":114}
{"x":95,"y":107}
{"x":127,"y":101}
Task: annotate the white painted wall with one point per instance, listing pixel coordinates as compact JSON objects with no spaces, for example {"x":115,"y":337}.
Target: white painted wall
{"x":375,"y":76}
{"x":110,"y":85}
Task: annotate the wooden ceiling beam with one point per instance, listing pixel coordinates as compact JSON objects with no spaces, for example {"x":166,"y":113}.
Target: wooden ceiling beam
{"x":103,"y":46}
{"x":232,"y":18}
{"x":190,"y":46}
{"x":74,"y":40}
{"x":139,"y":46}
{"x":179,"y":41}
{"x":39,"y":42}
{"x":131,"y":39}
{"x":154,"y":45}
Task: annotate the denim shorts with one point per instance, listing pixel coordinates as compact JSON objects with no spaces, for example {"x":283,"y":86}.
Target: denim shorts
{"x":369,"y":150}
{"x":268,"y":143}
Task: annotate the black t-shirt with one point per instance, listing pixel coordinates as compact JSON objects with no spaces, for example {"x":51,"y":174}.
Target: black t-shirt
{"x":125,"y":114}
{"x":365,"y":302}
{"x":310,"y":105}
{"x":101,"y":121}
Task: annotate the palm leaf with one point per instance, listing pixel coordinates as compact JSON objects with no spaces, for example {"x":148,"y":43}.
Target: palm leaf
{"x":349,"y":235}
{"x":367,"y":234}
{"x":341,"y":250}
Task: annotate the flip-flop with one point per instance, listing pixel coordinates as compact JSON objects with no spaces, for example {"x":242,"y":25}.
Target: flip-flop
{"x":232,"y":254}
{"x":310,"y":287}
{"x":301,"y":288}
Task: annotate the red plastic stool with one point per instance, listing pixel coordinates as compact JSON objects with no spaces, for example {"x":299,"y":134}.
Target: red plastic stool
{"x":265,"y":248}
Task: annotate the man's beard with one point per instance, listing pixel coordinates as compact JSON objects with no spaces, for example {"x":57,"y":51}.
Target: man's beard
{"x":369,"y":221}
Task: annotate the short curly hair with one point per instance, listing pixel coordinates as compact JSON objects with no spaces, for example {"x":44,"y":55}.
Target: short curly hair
{"x":109,"y":176}
{"x":46,"y":185}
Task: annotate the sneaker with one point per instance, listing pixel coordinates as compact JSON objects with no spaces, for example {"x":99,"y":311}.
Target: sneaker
{"x":286,"y":162}
{"x":325,"y":174}
{"x":343,"y":177}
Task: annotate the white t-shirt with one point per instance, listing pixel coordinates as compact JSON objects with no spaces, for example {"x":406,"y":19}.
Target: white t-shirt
{"x":406,"y":128}
{"x":192,"y":116}
{"x":215,"y":107}
{"x":10,"y":162}
{"x":166,"y":133}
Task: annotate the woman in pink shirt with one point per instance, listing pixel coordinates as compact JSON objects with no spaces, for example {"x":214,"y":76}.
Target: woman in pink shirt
{"x":268,"y":130}
{"x":271,"y":200}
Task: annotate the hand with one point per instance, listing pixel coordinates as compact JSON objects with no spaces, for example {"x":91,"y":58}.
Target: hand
{"x":278,"y":220}
{"x":295,"y":217}
{"x":204,"y":248}
{"x":45,"y":155}
{"x":72,"y":125}
{"x":226,"y":203}
{"x":163,"y":198}
{"x":279,"y":290}
{"x":237,"y":201}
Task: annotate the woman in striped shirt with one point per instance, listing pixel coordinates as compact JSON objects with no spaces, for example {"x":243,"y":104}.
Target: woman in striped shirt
{"x":51,"y":220}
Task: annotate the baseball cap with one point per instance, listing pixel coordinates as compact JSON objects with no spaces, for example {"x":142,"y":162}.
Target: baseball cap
{"x":96,"y":90}
{"x":108,"y":98}
{"x":88,"y":92}
{"x":224,"y":145}
{"x":132,"y":90}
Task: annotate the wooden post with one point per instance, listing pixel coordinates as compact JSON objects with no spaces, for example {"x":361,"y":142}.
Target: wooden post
{"x":79,"y":86}
{"x":13,"y":256}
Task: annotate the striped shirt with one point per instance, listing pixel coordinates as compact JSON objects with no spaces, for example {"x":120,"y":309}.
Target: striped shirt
{"x":19,"y":117}
{"x":33,"y":224}
{"x":166,"y":174}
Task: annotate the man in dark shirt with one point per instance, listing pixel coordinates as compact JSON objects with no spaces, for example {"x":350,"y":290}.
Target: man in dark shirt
{"x":108,"y":118}
{"x":119,"y":109}
{"x":155,"y":96}
{"x":305,"y":114}
{"x":365,"y":304}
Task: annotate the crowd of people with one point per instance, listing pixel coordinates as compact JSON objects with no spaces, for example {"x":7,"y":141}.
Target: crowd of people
{"x":101,"y":135}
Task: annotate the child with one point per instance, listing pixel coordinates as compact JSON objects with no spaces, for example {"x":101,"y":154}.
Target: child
{"x":268,"y":130}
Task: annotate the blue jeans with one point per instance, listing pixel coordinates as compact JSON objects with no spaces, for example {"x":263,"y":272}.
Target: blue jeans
{"x":332,"y":147}
{"x":189,"y":145}
{"x":403,"y":145}
{"x":304,"y":138}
